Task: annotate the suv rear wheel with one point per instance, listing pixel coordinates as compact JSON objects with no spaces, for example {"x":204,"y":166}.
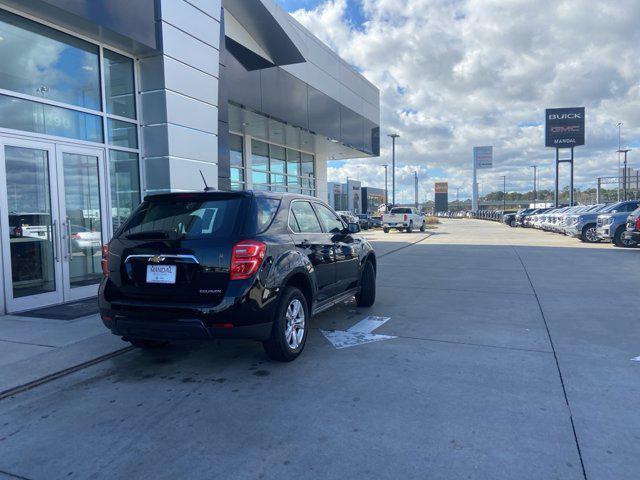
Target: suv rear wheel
{"x":367,"y":295}
{"x":289,"y":333}
{"x":410,"y":227}
{"x":423,"y":226}
{"x":618,"y":241}
{"x":589,"y":234}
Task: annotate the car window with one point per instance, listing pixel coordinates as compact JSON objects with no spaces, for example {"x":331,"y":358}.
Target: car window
{"x":189,"y":218}
{"x":262,"y":213}
{"x":400,"y":210}
{"x":331,"y":222}
{"x":302,"y":218}
{"x":631,"y":207}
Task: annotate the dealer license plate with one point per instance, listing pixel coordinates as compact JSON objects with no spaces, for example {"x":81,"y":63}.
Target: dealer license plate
{"x":161,"y":274}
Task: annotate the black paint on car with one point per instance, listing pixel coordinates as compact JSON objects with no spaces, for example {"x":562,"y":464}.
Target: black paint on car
{"x":209,"y":265}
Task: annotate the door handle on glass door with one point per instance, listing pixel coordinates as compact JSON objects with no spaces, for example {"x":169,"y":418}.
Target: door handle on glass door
{"x":54,"y":240}
{"x":69,"y":239}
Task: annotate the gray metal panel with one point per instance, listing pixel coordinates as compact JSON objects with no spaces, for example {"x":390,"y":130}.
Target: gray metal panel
{"x":165,"y":106}
{"x":189,"y":19}
{"x":182,"y":46}
{"x":189,"y":81}
{"x":210,"y":7}
{"x":126,"y":24}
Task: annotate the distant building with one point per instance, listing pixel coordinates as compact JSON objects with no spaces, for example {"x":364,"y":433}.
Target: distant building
{"x":372,"y":198}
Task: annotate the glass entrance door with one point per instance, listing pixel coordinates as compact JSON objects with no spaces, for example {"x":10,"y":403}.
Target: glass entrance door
{"x":53,"y":222}
{"x":30,"y":225}
{"x":82,"y":204}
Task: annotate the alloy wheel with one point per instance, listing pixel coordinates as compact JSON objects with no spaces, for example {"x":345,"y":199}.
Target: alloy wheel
{"x":294,"y":330}
{"x":591,"y":234}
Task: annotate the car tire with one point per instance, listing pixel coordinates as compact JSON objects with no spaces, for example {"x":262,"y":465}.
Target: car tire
{"x":367,"y":295}
{"x":147,"y":344}
{"x":589,"y":234}
{"x":410,"y":227}
{"x":292,"y":315}
{"x":423,"y":226}
{"x":385,"y":230}
{"x":618,"y":241}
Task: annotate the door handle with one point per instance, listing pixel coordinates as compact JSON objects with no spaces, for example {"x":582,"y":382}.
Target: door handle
{"x":69,"y":238}
{"x":54,"y":240}
{"x":304,"y":243}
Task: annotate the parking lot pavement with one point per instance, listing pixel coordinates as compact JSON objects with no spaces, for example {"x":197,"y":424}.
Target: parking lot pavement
{"x":495,"y":330}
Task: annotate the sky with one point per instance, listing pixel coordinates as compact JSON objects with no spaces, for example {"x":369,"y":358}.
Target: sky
{"x":454,"y":74}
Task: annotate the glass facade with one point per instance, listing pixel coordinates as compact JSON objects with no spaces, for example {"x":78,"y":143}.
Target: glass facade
{"x":281,"y":169}
{"x":236,"y":159}
{"x":55,"y":86}
{"x":42,"y":62}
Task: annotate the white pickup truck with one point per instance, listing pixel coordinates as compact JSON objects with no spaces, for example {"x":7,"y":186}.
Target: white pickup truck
{"x":403,"y":218}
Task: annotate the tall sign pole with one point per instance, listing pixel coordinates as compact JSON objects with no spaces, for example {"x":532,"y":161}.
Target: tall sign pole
{"x":415,"y":179}
{"x":482,"y":158}
{"x":564,"y":129}
{"x":393,"y":167}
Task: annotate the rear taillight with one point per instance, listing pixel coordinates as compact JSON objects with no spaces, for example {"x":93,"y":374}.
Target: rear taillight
{"x":406,"y":217}
{"x":75,"y":236}
{"x":18,"y":231}
{"x":638,"y":224}
{"x":246,"y":259}
{"x":104,"y":263}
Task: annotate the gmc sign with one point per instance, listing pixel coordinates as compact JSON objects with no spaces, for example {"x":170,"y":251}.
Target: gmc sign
{"x":564,"y":127}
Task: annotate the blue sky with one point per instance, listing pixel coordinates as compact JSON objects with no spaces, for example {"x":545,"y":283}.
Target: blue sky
{"x":353,"y":14}
{"x":454,"y":74}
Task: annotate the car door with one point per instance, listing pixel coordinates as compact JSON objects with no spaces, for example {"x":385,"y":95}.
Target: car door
{"x":347,"y":249}
{"x":309,"y":239}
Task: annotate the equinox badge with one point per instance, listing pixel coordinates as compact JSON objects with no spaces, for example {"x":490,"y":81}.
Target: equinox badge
{"x":156,"y":259}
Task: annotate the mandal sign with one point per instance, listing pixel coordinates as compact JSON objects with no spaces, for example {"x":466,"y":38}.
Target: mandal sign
{"x":564,"y":127}
{"x":483,"y":157}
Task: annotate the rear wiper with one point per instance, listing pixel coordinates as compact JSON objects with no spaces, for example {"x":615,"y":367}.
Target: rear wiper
{"x":146,"y":235}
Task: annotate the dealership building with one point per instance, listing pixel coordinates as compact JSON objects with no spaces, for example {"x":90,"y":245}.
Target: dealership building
{"x":105,"y":101}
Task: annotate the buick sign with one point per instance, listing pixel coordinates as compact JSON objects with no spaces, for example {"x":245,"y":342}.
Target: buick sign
{"x":564,"y":127}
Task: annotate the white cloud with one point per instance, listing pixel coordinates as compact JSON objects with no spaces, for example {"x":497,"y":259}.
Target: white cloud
{"x":459,"y":73}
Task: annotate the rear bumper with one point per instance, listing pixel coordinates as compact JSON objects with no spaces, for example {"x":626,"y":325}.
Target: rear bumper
{"x":182,"y":329}
{"x":249,"y":316}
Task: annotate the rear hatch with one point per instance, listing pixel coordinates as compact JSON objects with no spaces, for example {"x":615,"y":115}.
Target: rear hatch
{"x":176,"y":248}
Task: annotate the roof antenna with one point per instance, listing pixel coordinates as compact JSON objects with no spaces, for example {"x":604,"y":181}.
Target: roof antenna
{"x":207,"y":188}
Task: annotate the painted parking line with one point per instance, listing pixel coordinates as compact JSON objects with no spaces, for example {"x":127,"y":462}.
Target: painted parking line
{"x":359,"y":334}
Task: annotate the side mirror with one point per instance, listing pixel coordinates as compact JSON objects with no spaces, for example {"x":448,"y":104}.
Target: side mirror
{"x":354,"y":228}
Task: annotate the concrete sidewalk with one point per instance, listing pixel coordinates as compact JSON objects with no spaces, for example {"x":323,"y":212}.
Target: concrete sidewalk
{"x":33,"y":348}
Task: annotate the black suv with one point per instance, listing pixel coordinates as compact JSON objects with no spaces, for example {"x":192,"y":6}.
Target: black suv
{"x":215,"y":264}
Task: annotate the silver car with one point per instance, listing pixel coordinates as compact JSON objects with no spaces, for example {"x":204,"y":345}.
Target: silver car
{"x":611,"y":226}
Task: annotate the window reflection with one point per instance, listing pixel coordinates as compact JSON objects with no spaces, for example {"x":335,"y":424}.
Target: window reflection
{"x":29,"y":116}
{"x":122,"y":134}
{"x":124,"y":172}
{"x":43,"y":62}
{"x":119,"y":85}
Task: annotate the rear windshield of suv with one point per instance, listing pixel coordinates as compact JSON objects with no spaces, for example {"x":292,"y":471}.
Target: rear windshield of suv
{"x":188,"y":218}
{"x":400,"y":210}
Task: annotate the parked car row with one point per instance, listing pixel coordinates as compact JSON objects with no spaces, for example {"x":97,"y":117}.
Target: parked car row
{"x":494,"y":215}
{"x":589,"y":223}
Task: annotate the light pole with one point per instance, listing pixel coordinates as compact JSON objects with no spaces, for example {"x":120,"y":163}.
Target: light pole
{"x":386,"y":194}
{"x":458,"y":198}
{"x":619,"y":148}
{"x":393,"y":166}
{"x":504,"y":193}
{"x":624,"y":174}
{"x":535,"y":190}
{"x":415,"y":180}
